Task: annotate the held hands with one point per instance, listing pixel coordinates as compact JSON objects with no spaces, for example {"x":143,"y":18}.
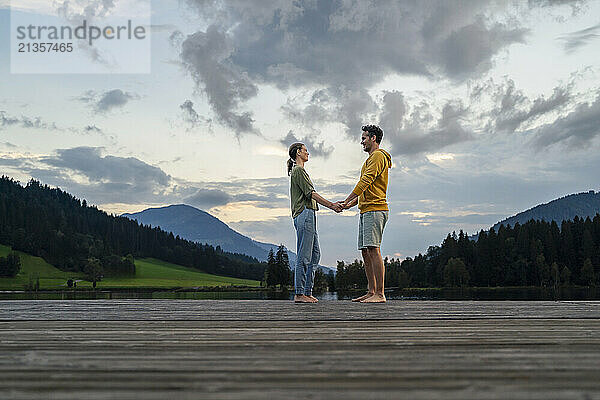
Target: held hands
{"x":340,"y":206}
{"x":337,"y":207}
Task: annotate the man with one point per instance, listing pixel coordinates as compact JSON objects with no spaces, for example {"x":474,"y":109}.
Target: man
{"x":370,"y":194}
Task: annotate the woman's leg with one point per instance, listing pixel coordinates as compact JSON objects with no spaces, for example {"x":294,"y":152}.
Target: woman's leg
{"x":314,"y":264}
{"x":304,"y":245}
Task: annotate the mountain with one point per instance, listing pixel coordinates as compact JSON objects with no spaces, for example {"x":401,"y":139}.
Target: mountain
{"x":585,"y":204}
{"x":199,"y":226}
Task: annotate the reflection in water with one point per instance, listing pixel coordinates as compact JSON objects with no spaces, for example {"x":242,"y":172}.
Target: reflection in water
{"x":526,"y":293}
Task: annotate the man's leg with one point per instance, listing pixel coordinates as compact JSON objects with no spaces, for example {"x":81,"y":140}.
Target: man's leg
{"x":378,"y":269}
{"x":367,"y":263}
{"x":370,"y":276}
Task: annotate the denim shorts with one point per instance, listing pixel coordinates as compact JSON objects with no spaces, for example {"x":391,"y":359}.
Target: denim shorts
{"x":370,"y":228}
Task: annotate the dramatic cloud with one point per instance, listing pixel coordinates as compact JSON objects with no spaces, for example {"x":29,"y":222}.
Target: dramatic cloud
{"x":349,"y":106}
{"x":342,"y":46}
{"x":206,"y":56}
{"x":416,"y":131}
{"x":107,"y":101}
{"x":575,"y":40}
{"x":513,"y":109}
{"x":470,"y":49}
{"x":316,"y":149}
{"x":575,"y":130}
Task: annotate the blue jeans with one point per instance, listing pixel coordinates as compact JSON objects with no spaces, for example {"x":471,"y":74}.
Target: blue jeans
{"x":307,"y":251}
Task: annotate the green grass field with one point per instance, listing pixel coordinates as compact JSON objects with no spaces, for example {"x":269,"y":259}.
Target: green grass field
{"x":150,"y":273}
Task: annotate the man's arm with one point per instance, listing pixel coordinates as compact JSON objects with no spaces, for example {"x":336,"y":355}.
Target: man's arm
{"x":373,"y":169}
{"x":350,"y":201}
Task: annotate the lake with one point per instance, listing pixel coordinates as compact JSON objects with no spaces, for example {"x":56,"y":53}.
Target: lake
{"x":509,"y":293}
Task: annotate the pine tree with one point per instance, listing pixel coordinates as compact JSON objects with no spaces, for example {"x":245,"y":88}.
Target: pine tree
{"x":93,"y":270}
{"x":282,"y":263}
{"x":271,"y":270}
{"x":587,"y":273}
{"x":543,"y":271}
{"x":565,"y":276}
{"x":555,"y":275}
{"x":10,"y":265}
{"x":455,"y":273}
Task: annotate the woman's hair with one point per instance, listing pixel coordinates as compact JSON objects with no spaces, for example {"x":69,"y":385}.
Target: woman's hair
{"x":293,"y":151}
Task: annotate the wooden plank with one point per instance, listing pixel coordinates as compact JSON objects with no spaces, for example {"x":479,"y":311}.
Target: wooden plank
{"x":246,"y":350}
{"x":215,"y":310}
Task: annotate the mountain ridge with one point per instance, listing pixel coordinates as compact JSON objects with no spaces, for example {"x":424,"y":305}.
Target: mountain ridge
{"x":197,"y":225}
{"x":582,"y":204}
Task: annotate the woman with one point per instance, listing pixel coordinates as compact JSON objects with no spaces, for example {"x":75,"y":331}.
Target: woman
{"x":304,"y":201}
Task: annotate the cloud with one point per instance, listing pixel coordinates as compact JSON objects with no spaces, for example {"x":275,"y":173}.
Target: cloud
{"x":577,"y":129}
{"x":207,"y":57}
{"x":513,"y":109}
{"x":91,"y":9}
{"x":341,"y":47}
{"x":574,"y":40}
{"x":208,"y":198}
{"x":190,"y":116}
{"x":105,"y":102}
{"x":317,"y":149}
{"x":92,"y":129}
{"x":25,"y":122}
{"x":88,"y":173}
{"x":158,"y":28}
{"x":576,"y":5}
{"x":74,"y":12}
{"x":414,"y":131}
{"x":343,"y":104}
{"x":470,"y":49}
{"x":120,"y":172}
{"x":176,"y":38}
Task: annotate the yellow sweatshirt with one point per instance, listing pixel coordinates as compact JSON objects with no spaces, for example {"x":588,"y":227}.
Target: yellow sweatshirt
{"x":372,"y":185}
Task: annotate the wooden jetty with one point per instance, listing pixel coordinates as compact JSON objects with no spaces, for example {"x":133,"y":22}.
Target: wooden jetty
{"x":260,"y":349}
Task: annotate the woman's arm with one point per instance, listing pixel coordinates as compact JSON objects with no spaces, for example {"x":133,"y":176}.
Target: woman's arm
{"x":324,"y":202}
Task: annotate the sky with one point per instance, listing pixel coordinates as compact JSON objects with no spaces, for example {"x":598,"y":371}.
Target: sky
{"x":488,"y":108}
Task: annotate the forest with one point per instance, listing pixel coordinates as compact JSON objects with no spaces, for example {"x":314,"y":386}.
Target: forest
{"x":73,"y":236}
{"x":537,"y":253}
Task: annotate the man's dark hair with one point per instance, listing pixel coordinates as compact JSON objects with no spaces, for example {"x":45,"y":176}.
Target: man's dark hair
{"x":374,"y":130}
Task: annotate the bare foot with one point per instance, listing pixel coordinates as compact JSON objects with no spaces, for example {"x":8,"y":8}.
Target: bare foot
{"x":300,"y":298}
{"x":364,"y":296}
{"x":313,"y":298}
{"x":376,"y":298}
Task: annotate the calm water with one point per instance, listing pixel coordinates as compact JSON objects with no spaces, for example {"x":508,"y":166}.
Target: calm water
{"x":569,"y":293}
